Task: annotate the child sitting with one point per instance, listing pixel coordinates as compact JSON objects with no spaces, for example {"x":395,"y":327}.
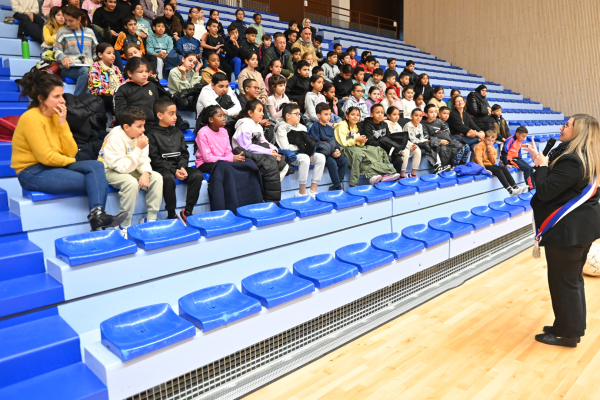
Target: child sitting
{"x":262,"y":49}
{"x":129,"y":35}
{"x":159,"y":44}
{"x":376,"y":80}
{"x":370,"y":161}
{"x":322,"y":131}
{"x":345,"y":57}
{"x":169,"y":157}
{"x":247,"y":44}
{"x":498,"y":123}
{"x":250,"y":72}
{"x":391,"y":68}
{"x":451,"y":151}
{"x":369,"y":67}
{"x":127,"y":166}
{"x":484,"y":154}
{"x":274,"y":69}
{"x":390,"y":82}
{"x":330,"y":68}
{"x":196,"y":17}
{"x":316,"y":70}
{"x":291,"y":122}
{"x":329,"y":93}
{"x":408,"y":104}
{"x":277,"y":98}
{"x":312,"y":98}
{"x":56,"y":20}
{"x":352,"y":52}
{"x":410,"y":151}
{"x":343,"y":83}
{"x":419,"y":102}
{"x":358,"y":75}
{"x":356,"y":100}
{"x":298,"y":84}
{"x":404,"y":80}
{"x":296,"y":55}
{"x":511,"y":155}
{"x":417,"y":136}
{"x":373,"y":97}
{"x":213,"y":63}
{"x":438,"y":97}
{"x":143,"y":27}
{"x":391,"y":100}
{"x":188,"y":43}
{"x":105,"y":77}
{"x":186,"y":74}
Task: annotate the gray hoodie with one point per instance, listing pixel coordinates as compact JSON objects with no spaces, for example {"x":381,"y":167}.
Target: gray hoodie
{"x":281,"y":130}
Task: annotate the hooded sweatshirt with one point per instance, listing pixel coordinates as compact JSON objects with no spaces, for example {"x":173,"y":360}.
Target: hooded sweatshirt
{"x":379,"y":135}
{"x":415,"y":133}
{"x":133,"y":94}
{"x":329,"y":71}
{"x":281,"y":131}
{"x":168,"y":151}
{"x":155,"y":44}
{"x":352,"y":102}
{"x":437,"y":129}
{"x":275,"y":104}
{"x":248,"y":132}
{"x":120,"y":153}
{"x":310,"y":103}
{"x":213,"y":146}
{"x":296,"y":87}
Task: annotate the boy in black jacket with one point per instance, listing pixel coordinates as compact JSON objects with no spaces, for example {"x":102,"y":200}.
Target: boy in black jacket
{"x":169,"y":157}
{"x":451,"y":151}
{"x":343,"y":83}
{"x":298,"y":84}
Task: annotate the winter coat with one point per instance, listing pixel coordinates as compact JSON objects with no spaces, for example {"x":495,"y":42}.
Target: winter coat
{"x":310,"y":104}
{"x":168,"y":151}
{"x":461,"y":126}
{"x":329,"y":71}
{"x":269,"y":169}
{"x":250,"y":136}
{"x":439,"y":130}
{"x":209,"y":97}
{"x":149,"y":15}
{"x":232,"y":185}
{"x":247,"y":74}
{"x":241,"y":27}
{"x":413,"y":76}
{"x":247,"y":47}
{"x":477,"y":106}
{"x":272,"y":53}
{"x":293,"y":137}
{"x":379,"y":135}
{"x":352,"y":102}
{"x":305,"y":47}
{"x":87,"y":120}
{"x":132,"y":94}
{"x":342,"y":86}
{"x":296,"y":87}
{"x":471,"y":168}
{"x":500,"y":126}
{"x":325,"y":137}
{"x":426,"y":91}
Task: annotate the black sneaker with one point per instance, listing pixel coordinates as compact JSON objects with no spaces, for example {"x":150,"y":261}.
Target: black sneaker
{"x":99,"y":220}
{"x":335,"y":188}
{"x":182,"y":216}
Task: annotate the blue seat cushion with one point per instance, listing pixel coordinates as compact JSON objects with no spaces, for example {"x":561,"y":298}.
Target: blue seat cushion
{"x":157,"y":234}
{"x":276,"y":286}
{"x":396,"y":188}
{"x":421,"y":186}
{"x":517,"y":201}
{"x":87,"y":247}
{"x":363,"y":256}
{"x":214,"y":223}
{"x":455,"y":229}
{"x":454,"y":175}
{"x":324,"y":270}
{"x":340,"y":199}
{"x":442,"y":182}
{"x":397,"y":244}
{"x":369,"y":193}
{"x":265,"y":214}
{"x":485,"y":211}
{"x":305,"y":206}
{"x":512,"y":210}
{"x":477,"y":222}
{"x":429,"y":237}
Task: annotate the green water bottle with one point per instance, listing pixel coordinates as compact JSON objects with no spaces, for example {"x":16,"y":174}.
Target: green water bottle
{"x":25,"y":49}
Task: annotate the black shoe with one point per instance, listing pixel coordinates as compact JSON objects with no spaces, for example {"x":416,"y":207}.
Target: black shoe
{"x":335,"y":188}
{"x":182,"y":215}
{"x":174,"y":216}
{"x":552,"y":339}
{"x":99,"y":220}
{"x":550,"y":329}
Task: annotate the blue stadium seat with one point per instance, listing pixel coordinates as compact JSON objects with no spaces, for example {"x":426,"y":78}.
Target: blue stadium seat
{"x":441,"y":181}
{"x":397,"y":244}
{"x":527,"y":196}
{"x":214,"y":223}
{"x":40,"y":196}
{"x":455,"y":229}
{"x":215,"y":306}
{"x":189,"y":136}
{"x":276,"y":286}
{"x":363,"y":256}
{"x":460,"y":179}
{"x":369,"y":193}
{"x":512,"y":210}
{"x":518,"y":201}
{"x":92,"y":246}
{"x":265,"y":213}
{"x":421,"y":186}
{"x":396,"y":188}
{"x":485,"y":211}
{"x":141,"y":331}
{"x":481,"y":177}
{"x":324,"y":270}
{"x":305,"y":206}
{"x":429,"y":237}
{"x":340,"y":199}
{"x":157,"y":234}
{"x":466,"y":217}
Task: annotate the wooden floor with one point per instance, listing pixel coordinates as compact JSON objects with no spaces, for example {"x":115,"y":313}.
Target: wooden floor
{"x":473,"y":342}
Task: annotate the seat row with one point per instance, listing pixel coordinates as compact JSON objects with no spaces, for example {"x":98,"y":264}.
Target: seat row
{"x":137,"y":332}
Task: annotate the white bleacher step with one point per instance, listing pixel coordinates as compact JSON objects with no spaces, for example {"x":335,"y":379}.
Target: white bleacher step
{"x":470,"y":85}
{"x":532,"y":117}
{"x":20,"y":66}
{"x":8,"y":31}
{"x":207,"y":6}
{"x":510,"y":104}
{"x":508,"y":96}
{"x":329,"y":32}
{"x":12,"y":47}
{"x":402,"y":58}
{"x":456,"y":74}
{"x":381,"y":47}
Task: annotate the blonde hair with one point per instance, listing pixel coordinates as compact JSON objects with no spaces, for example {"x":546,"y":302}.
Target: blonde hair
{"x":491,"y":133}
{"x":586,"y":144}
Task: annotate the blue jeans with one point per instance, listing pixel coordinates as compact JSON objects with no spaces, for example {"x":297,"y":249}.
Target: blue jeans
{"x":527,"y":171}
{"x":79,"y":74}
{"x":337,"y":168}
{"x":81,"y":177}
{"x":469,"y":141}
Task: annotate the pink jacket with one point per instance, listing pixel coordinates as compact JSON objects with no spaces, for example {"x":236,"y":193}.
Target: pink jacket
{"x":213,"y":146}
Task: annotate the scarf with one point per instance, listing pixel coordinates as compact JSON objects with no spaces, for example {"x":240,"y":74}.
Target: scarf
{"x":557,"y":152}
{"x":113,"y":79}
{"x":154,"y":6}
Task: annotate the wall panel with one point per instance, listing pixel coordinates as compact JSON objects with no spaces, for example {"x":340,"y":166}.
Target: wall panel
{"x":548,"y":50}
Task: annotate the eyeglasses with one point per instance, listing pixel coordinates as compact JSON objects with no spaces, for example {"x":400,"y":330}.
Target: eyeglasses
{"x":297,"y":114}
{"x":253,"y":87}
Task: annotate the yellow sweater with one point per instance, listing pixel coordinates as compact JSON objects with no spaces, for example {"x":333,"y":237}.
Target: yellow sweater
{"x":41,"y":140}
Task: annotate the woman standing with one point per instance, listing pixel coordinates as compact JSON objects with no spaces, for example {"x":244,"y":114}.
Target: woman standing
{"x":43,"y":150}
{"x":567,"y":186}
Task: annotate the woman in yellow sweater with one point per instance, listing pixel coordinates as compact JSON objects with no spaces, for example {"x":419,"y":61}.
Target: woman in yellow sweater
{"x":56,"y":20}
{"x":43,"y":150}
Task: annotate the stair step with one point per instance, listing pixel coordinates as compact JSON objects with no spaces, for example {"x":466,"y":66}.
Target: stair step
{"x":3,"y":200}
{"x":12,"y":97}
{"x":28,"y":317}
{"x":9,"y":223}
{"x":5,"y":150}
{"x":7,"y":85}
{"x":12,"y":110}
{"x":28,"y":293}
{"x":6,"y":170}
{"x":36,"y":348}
{"x":19,"y":257}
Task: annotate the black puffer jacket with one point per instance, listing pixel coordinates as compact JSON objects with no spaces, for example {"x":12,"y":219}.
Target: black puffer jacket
{"x":426,"y":91}
{"x":132,"y":94}
{"x":87,"y":107}
{"x":477,"y":106}
{"x":168,"y":151}
{"x":269,"y":169}
{"x":379,"y":135}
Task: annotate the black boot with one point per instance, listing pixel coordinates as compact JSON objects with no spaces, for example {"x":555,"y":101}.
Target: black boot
{"x":549,"y":329}
{"x":99,"y":220}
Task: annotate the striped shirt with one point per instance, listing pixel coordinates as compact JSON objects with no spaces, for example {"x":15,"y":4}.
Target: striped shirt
{"x":66,"y":46}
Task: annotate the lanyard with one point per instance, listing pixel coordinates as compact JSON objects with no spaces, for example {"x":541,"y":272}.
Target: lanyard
{"x":80,"y":45}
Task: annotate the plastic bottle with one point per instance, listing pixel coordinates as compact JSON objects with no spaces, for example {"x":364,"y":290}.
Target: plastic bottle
{"x":25,"y":49}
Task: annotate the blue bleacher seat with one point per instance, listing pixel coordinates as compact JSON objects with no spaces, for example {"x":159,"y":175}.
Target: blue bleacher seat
{"x":265,"y":213}
{"x":460,"y":179}
{"x":518,"y":201}
{"x":214,"y":223}
{"x":363,"y":256}
{"x":141,"y":331}
{"x":305,"y":206}
{"x":276,"y":286}
{"x":396,"y":188}
{"x":429,"y":237}
{"x":215,"y":306}
{"x":369,"y":193}
{"x":157,"y":234}
{"x":421,"y":186}
{"x":512,"y":210}
{"x":87,"y":247}
{"x":441,"y":181}
{"x":397,"y":244}
{"x":476,"y":221}
{"x":324,"y":270}
{"x":527,"y":196}
{"x":455,"y":229}
{"x":485,"y":211}
{"x":40,"y":196}
{"x":340,"y":199}
{"x":481,"y":177}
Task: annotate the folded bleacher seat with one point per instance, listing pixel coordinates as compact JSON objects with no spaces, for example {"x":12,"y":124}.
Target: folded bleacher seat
{"x":157,"y":234}
{"x":485,"y":211}
{"x":276,"y":286}
{"x":340,"y":199}
{"x":214,"y":223}
{"x":397,"y":244}
{"x":455,"y":229}
{"x":324,"y":270}
{"x":305,"y":206}
{"x":424,"y":234}
{"x":363,"y":256}
{"x":369,"y":193}
{"x":265,"y":213}
{"x":87,"y":247}
{"x":397,"y":189}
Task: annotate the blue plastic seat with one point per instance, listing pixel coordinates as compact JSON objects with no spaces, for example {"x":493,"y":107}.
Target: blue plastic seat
{"x":397,"y":244}
{"x":276,"y":286}
{"x":429,"y":237}
{"x":518,"y":201}
{"x":442,"y":182}
{"x":215,"y":306}
{"x":305,"y":206}
{"x":340,"y":199}
{"x":421,"y":186}
{"x":157,"y":234}
{"x":396,"y":188}
{"x":485,"y":211}
{"x":454,"y":175}
{"x":455,"y":229}
{"x":466,"y":217}
{"x":369,"y":193}
{"x":512,"y":169}
{"x":513,"y":210}
{"x":265,"y":213}
{"x":527,"y":196}
{"x":141,"y":331}
{"x":363,"y":256}
{"x":480,"y":177}
{"x":324,"y":270}
{"x":87,"y":247}
{"x":41,"y":196}
{"x":214,"y":223}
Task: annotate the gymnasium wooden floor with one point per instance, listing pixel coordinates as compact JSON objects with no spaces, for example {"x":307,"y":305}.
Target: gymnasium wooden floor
{"x":473,"y":342}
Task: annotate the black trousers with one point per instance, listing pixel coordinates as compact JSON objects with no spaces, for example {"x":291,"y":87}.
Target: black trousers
{"x":27,"y":27}
{"x":194,"y":183}
{"x":502,"y":174}
{"x":207,"y":167}
{"x":396,"y":160}
{"x":565,"y":280}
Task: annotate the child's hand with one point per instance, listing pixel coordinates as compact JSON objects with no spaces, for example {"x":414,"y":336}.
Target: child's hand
{"x":66,"y":62}
{"x":336,"y":153}
{"x":183,"y":71}
{"x":142,"y":142}
{"x":335,"y":101}
{"x":413,"y":147}
{"x":114,"y":33}
{"x":199,"y":63}
{"x":143,"y":35}
{"x":145,"y":180}
{"x":181,"y":174}
{"x":176,"y":36}
{"x":239,"y":157}
{"x":345,"y":98}
{"x":444,"y":142}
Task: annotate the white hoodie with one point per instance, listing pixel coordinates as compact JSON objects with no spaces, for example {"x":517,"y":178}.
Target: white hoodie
{"x":120,"y":152}
{"x":281,"y":130}
{"x":246,"y":132}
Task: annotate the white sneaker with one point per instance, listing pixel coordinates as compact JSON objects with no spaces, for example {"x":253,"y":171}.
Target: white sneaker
{"x":122,"y":230}
{"x":523,"y":189}
{"x":390,"y":177}
{"x":312,"y":194}
{"x":375,"y":179}
{"x":298,"y":194}
{"x":143,"y":220}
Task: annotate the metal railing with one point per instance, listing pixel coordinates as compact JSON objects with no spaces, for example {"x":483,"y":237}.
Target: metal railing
{"x":247,"y":4}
